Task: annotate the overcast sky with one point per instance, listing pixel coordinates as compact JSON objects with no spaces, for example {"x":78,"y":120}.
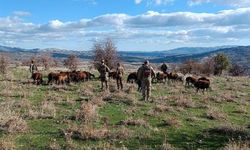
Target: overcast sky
{"x":134,"y":25}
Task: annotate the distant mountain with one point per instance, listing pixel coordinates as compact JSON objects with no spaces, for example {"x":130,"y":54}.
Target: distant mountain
{"x":193,"y":50}
{"x":237,"y":54}
{"x":16,"y":49}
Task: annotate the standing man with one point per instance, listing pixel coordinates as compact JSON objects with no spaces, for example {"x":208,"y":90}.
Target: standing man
{"x":33,"y":67}
{"x":119,"y":75}
{"x":104,"y":70}
{"x":145,"y":74}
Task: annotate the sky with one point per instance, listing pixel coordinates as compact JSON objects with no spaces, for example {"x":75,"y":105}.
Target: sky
{"x":133,"y":25}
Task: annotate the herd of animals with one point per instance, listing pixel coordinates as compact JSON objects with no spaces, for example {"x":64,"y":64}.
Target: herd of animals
{"x":201,"y":83}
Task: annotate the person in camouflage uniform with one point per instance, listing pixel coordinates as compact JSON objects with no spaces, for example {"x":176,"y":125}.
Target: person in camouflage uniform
{"x":145,"y":74}
{"x":164,"y":68}
{"x":104,"y":70}
{"x":119,"y":73}
{"x":33,"y":67}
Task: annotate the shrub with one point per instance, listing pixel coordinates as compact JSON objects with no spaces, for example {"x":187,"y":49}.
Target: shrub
{"x":221,"y":62}
{"x":87,"y":112}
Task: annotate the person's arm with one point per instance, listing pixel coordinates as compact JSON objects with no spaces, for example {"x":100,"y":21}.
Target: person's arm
{"x":153,"y":72}
{"x":30,"y":68}
{"x":117,"y":70}
{"x":107,"y":69}
{"x":123,"y":71}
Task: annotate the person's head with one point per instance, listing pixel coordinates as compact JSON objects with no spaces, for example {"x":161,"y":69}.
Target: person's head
{"x":32,"y":61}
{"x":146,"y":62}
{"x":102,"y":61}
{"x":118,"y":64}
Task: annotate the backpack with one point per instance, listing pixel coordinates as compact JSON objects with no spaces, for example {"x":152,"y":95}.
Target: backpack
{"x":147,"y":72}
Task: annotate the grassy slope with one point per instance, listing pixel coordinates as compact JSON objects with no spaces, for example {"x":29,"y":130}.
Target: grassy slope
{"x":187,"y":112}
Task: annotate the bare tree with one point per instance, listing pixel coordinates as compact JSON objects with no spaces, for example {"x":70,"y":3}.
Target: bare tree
{"x":46,"y":60}
{"x":4,"y":62}
{"x":26,"y":62}
{"x":237,"y":70}
{"x":72,"y":62}
{"x":107,"y":51}
{"x":188,"y":66}
{"x":207,"y":66}
{"x":56,"y":62}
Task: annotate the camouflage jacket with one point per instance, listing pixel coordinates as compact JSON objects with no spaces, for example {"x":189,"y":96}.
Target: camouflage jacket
{"x":33,"y":68}
{"x":104,"y":70}
{"x":145,"y":72}
{"x":120,"y":71}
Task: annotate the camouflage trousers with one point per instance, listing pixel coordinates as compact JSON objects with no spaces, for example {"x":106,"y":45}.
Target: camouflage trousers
{"x":104,"y":81}
{"x":119,"y":83}
{"x":146,"y":89}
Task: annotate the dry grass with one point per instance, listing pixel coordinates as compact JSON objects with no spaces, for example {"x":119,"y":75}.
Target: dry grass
{"x":7,"y":144}
{"x":121,"y":97}
{"x":86,"y":132}
{"x":104,"y":146}
{"x":54,"y":145}
{"x":46,"y":110}
{"x":97,"y":100}
{"x":87,"y":113}
{"x":241,"y":110}
{"x":11,"y":121}
{"x":162,"y":108}
{"x":237,"y":146}
{"x":122,"y":133}
{"x":166,"y":146}
{"x":172,"y":122}
{"x":134,"y":122}
{"x":214,"y":114}
{"x":131,"y":89}
{"x":184,"y":102}
{"x":49,"y":108}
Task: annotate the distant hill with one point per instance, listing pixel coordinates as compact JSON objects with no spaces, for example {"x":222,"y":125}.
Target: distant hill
{"x":237,"y":54}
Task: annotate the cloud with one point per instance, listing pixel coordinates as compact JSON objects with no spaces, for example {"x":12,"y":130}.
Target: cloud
{"x":21,"y":13}
{"x":234,"y":3}
{"x":155,"y":2}
{"x":138,"y":1}
{"x":153,"y":19}
{"x":177,"y":27}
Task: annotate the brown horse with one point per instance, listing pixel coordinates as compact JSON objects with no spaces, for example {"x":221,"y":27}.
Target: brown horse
{"x":37,"y":77}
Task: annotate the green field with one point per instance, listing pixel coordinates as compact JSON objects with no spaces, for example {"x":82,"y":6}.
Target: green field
{"x":80,"y":116}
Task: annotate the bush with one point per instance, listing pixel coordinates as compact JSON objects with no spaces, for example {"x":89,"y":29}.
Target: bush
{"x":221,"y":62}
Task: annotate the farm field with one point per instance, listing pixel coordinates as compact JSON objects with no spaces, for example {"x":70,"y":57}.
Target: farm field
{"x":81,"y":116}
